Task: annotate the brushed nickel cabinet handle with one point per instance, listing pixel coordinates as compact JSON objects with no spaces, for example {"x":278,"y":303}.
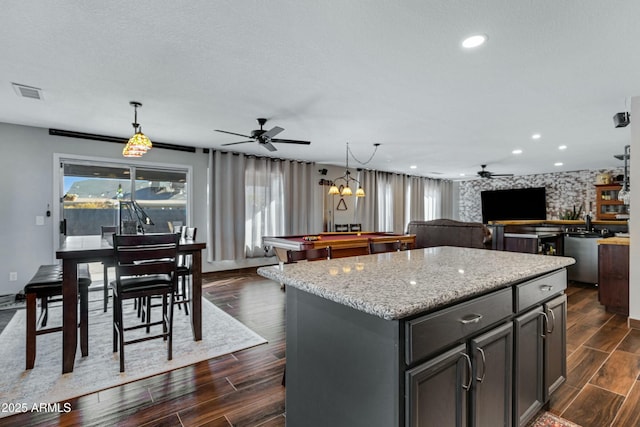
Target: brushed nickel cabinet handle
{"x":546,"y":288}
{"x":467,"y":386}
{"x":553,"y":321}
{"x":471,"y":318}
{"x":545,"y":323}
{"x":484,"y":365}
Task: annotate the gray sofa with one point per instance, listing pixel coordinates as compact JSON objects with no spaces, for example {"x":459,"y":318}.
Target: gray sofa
{"x":448,"y":232}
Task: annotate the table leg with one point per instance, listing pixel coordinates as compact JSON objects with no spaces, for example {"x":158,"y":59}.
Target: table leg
{"x":196,"y":295}
{"x":70,"y":313}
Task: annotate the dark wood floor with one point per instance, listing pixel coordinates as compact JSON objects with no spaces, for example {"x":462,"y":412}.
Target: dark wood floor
{"x":603,"y":364}
{"x":244,"y":388}
{"x":240,"y":389}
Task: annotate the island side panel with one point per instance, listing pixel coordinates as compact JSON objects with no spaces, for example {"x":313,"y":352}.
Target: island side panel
{"x":343,"y":365}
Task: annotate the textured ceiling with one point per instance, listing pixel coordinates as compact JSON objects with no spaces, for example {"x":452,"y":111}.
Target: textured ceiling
{"x":332,"y":72}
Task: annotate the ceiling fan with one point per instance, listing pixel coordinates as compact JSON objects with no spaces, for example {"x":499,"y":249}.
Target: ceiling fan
{"x":264,"y":137}
{"x":486,"y":174}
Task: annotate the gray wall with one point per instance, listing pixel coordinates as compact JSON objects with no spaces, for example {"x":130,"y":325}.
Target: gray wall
{"x":26,"y":174}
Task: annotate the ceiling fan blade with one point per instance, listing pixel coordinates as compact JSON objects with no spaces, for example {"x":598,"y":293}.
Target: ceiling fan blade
{"x":291,"y":141}
{"x":268,"y":146}
{"x":234,"y":143}
{"x":501,"y":174}
{"x":272,"y":132}
{"x":232,"y":133}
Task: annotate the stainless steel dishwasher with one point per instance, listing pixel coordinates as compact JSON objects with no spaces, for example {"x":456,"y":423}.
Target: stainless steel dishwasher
{"x":583,"y":247}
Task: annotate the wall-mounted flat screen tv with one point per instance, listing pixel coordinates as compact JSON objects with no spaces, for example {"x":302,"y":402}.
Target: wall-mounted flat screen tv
{"x":516,"y":203}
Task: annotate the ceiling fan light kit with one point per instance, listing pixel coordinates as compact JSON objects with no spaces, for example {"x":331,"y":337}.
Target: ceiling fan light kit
{"x":484,"y":173}
{"x":264,"y":137}
{"x":139,"y":143}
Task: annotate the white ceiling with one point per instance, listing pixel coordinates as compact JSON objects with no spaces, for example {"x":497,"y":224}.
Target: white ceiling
{"x":335,"y":71}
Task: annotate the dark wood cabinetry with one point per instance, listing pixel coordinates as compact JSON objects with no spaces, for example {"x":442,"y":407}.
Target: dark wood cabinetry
{"x":469,"y":382}
{"x":613,"y":277}
{"x":491,"y":392}
{"x":437,"y":390}
{"x":555,"y":344}
{"x":540,"y":357}
{"x":529,"y":365}
{"x":543,"y":243}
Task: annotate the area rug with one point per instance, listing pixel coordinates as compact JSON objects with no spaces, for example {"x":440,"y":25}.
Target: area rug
{"x":221,"y":334}
{"x":547,"y":419}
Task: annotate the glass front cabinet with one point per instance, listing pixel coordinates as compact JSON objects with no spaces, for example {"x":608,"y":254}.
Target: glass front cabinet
{"x":607,"y":204}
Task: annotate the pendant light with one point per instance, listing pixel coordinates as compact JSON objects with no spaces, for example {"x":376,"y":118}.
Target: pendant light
{"x":139,"y":143}
{"x":346,"y":189}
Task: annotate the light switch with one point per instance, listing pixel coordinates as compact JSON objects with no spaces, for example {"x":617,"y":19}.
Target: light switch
{"x":39,"y":220}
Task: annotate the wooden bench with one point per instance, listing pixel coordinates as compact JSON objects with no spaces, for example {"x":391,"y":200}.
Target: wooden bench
{"x":45,"y":284}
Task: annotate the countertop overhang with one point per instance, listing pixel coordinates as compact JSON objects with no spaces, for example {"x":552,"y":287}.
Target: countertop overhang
{"x":397,"y":285}
{"x":624,"y":241}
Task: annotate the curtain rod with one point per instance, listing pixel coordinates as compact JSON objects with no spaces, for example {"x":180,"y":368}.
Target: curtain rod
{"x":257,"y":156}
{"x":117,"y":140}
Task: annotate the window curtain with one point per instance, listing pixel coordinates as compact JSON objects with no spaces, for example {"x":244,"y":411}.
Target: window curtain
{"x":446,"y":191}
{"x":366,"y":207}
{"x":265,"y":203}
{"x":391,"y":202}
{"x":226,"y":228}
{"x":429,"y":198}
{"x":302,"y":213}
{"x":252,"y":197}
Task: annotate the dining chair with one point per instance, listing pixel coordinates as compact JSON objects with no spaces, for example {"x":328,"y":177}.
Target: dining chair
{"x":355,"y":227}
{"x":146,"y":266}
{"x":341,"y":227}
{"x":107,"y":232}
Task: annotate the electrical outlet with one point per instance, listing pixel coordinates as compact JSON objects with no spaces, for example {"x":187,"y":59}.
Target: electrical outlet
{"x":13,"y":276}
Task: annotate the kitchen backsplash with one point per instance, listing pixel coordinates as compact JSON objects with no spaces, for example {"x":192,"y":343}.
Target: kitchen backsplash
{"x":565,"y":190}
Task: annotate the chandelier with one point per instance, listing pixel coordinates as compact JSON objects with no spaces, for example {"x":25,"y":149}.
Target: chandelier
{"x":345,"y":189}
{"x":139,"y":143}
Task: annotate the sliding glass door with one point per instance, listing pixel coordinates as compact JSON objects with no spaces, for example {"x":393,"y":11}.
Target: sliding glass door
{"x":96,"y":194}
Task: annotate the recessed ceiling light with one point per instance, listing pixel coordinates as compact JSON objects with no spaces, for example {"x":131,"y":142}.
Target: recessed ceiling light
{"x":413,"y":167}
{"x":558,"y":164}
{"x":462,"y":174}
{"x":474,"y":41}
{"x":562,"y":147}
{"x":517,"y":151}
{"x":536,"y":136}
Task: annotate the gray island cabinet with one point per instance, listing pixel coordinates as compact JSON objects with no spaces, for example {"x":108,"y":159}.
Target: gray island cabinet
{"x":440,"y":336}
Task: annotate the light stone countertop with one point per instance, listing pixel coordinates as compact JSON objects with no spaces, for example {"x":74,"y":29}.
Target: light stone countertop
{"x":396,"y":285}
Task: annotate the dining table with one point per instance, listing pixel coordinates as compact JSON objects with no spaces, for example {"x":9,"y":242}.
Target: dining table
{"x":76,"y":250}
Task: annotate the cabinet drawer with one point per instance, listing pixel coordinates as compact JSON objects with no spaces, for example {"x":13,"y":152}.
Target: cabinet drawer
{"x":534,"y":291}
{"x":432,"y":332}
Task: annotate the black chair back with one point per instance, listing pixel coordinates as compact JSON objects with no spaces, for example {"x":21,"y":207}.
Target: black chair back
{"x":149,"y":254}
{"x":341,"y":227}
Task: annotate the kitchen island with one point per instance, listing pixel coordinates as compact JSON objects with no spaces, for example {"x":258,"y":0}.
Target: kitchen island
{"x":436,"y":336}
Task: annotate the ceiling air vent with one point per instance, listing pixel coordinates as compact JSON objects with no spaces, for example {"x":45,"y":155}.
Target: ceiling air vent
{"x":27,"y":91}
